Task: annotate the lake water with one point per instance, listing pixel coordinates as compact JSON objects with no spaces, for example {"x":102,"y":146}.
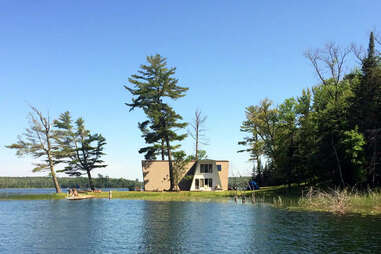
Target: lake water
{"x":137,"y":226}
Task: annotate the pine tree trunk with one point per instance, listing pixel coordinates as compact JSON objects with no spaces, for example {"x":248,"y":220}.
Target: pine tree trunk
{"x":54,"y":178}
{"x":91,"y":184}
{"x":171,"y":175}
{"x":162,"y":150}
{"x":55,"y":182}
{"x":53,"y":173}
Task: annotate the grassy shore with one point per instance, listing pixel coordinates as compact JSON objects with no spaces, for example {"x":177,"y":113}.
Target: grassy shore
{"x":52,"y":196}
{"x":338,"y":201}
{"x":142,"y":195}
{"x":344,"y":201}
{"x":297,"y":198}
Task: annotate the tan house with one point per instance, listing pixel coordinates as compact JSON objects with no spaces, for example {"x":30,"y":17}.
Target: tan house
{"x":202,"y":175}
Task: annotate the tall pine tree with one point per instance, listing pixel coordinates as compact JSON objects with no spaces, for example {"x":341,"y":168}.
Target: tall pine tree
{"x":366,"y":107}
{"x":152,"y":86}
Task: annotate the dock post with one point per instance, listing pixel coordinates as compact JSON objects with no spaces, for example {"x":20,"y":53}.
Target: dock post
{"x":109,"y":194}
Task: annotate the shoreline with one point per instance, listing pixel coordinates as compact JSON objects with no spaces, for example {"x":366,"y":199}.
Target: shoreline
{"x":340,"y":203}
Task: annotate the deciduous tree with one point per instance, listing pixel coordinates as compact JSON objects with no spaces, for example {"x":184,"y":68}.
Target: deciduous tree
{"x":198,"y":131}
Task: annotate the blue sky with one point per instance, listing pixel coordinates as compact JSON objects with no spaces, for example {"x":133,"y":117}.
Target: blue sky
{"x":77,"y":55}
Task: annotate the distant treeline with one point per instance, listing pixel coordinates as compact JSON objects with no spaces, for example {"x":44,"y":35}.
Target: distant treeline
{"x":67,"y":182}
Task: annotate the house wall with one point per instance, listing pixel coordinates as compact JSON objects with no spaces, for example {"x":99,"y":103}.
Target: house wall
{"x":216,"y":182}
{"x":156,"y":174}
{"x":224,"y":173}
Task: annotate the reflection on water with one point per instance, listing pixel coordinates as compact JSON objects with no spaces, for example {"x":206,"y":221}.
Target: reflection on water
{"x":136,"y":226}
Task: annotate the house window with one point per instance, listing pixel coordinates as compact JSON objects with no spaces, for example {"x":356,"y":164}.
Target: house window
{"x":206,"y":168}
{"x":202,"y":183}
{"x":209,"y":182}
{"x":219,"y":168}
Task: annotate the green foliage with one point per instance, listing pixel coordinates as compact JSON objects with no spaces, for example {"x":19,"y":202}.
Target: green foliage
{"x":81,"y":150}
{"x":329,"y":135}
{"x":39,"y":142}
{"x":201,"y":154}
{"x":152,"y":87}
{"x":354,"y":143}
{"x":365,"y":108}
{"x":180,"y":161}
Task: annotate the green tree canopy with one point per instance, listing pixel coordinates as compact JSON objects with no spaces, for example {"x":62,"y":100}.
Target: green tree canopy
{"x":152,"y":88}
{"x":82,"y":150}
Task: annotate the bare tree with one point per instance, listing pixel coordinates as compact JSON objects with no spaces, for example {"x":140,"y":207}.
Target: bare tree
{"x":329,"y":64}
{"x":359,"y":52}
{"x":39,"y":141}
{"x":198,"y":131}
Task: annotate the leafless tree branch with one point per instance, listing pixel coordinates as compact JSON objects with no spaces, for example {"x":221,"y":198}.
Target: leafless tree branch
{"x":198,"y":132}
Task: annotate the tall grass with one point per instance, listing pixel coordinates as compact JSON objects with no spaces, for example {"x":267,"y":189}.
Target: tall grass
{"x":342,"y":201}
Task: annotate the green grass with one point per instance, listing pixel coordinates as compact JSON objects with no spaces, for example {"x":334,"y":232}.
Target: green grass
{"x":53,"y":196}
{"x":154,"y":196}
{"x":168,"y":196}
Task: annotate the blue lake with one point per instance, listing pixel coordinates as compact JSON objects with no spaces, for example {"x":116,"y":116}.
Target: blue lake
{"x":137,"y":226}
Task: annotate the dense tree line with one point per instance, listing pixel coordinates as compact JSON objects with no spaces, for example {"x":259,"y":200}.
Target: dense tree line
{"x":330,"y":134}
{"x":68,"y":182}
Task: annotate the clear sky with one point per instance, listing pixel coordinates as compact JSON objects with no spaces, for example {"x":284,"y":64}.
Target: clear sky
{"x":77,"y":55}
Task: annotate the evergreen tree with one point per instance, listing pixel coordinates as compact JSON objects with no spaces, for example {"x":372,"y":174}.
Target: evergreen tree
{"x":366,"y":107}
{"x":153,"y":85}
{"x":39,"y":141}
{"x":82,"y":150}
